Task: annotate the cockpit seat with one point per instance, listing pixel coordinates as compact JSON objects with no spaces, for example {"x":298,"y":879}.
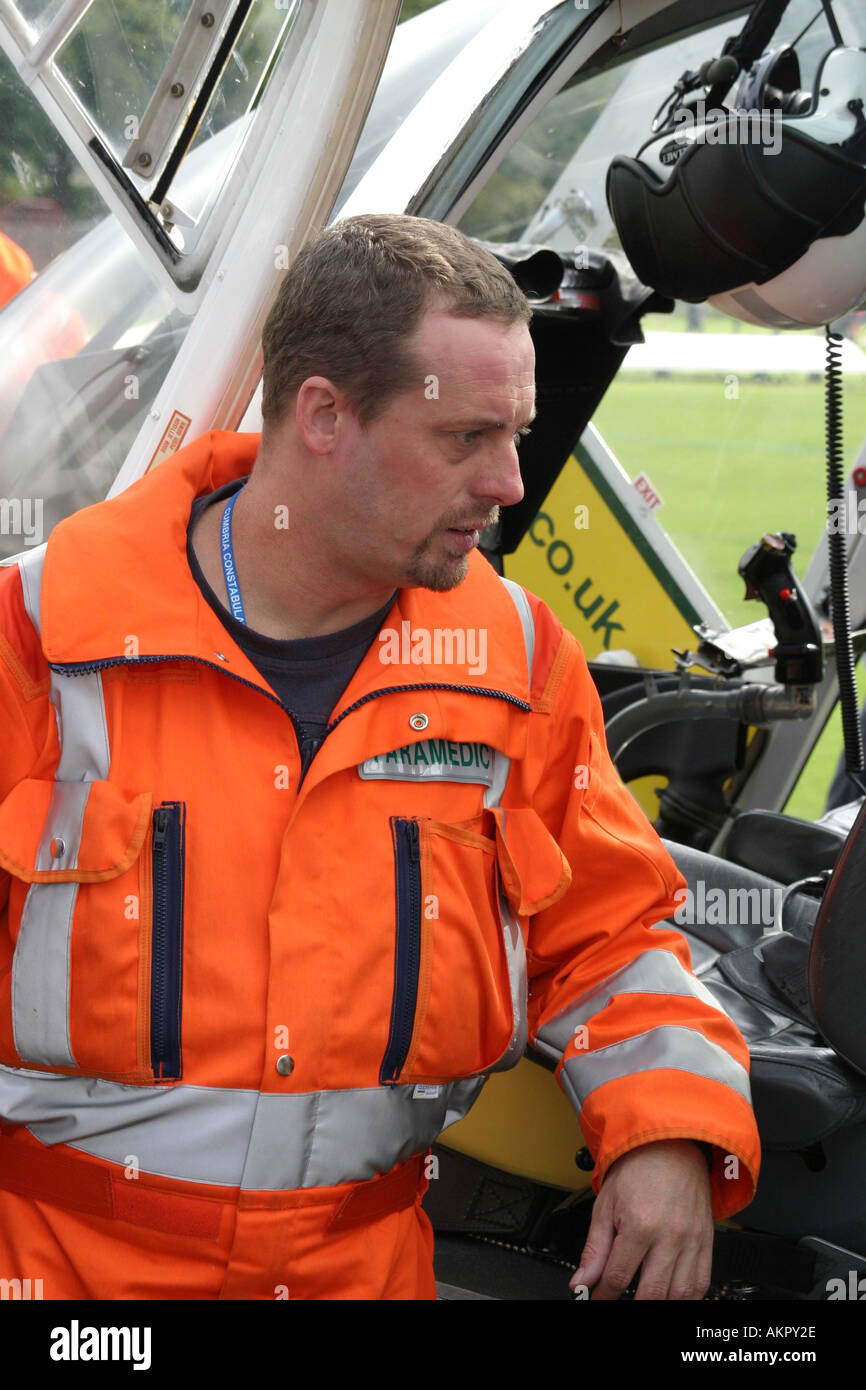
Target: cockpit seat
{"x":795,"y":991}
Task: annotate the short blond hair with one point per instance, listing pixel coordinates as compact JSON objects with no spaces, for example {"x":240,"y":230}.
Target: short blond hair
{"x":356,"y":292}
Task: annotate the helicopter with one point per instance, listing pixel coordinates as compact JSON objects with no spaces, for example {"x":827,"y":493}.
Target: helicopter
{"x":166,"y":171}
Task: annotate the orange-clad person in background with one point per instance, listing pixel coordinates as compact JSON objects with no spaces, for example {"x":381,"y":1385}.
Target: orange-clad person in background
{"x":54,"y":327}
{"x":16,"y":269}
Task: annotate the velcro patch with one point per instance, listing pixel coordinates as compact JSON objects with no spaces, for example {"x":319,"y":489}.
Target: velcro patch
{"x":433,"y":760}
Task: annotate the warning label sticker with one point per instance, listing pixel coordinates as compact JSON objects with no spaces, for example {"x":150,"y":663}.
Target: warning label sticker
{"x":172,"y":438}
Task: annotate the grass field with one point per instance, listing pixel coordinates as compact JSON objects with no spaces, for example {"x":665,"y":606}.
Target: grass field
{"x":728,"y":470}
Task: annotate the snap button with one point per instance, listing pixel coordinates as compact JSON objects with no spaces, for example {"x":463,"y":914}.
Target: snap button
{"x":57,"y":847}
{"x":419,"y":721}
{"x":285,"y":1065}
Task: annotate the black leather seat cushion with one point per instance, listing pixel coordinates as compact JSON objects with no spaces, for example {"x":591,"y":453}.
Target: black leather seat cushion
{"x":782,"y":847}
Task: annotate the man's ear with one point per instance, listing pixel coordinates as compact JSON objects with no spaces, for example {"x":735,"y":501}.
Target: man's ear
{"x":320,"y":411}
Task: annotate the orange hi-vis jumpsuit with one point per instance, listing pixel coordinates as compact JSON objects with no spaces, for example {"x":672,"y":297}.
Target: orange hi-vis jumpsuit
{"x":236,"y":1005}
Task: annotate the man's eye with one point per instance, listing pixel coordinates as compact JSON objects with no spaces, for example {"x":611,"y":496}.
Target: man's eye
{"x":468,"y":437}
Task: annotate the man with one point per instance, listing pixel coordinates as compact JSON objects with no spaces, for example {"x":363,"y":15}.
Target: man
{"x":322,"y":792}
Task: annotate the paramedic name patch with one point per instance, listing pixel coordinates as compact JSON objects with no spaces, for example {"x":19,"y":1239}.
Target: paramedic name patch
{"x":433,"y":760}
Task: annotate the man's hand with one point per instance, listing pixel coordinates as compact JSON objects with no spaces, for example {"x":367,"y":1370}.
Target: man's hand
{"x":654,"y":1207}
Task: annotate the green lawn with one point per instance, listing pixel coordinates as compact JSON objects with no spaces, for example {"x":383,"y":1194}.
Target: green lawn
{"x":727,"y":471}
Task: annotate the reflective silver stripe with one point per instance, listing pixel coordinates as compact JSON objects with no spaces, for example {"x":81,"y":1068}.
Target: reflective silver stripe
{"x":30,"y":569}
{"x":681,"y":1049}
{"x":515,"y":948}
{"x":40,"y":975}
{"x":462,"y":1095}
{"x":501,"y":766}
{"x":652,"y":972}
{"x":80,"y":705}
{"x":41,"y":964}
{"x":521,"y":603}
{"x":230,"y":1137}
{"x":515,"y":955}
{"x":512,"y":936}
{"x":78,"y":700}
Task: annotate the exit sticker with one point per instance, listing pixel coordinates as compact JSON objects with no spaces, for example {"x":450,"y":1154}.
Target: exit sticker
{"x":649,"y":498}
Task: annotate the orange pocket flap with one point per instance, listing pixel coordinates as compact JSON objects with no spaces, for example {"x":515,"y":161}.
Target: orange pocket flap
{"x":535,"y":872}
{"x":109,"y":839}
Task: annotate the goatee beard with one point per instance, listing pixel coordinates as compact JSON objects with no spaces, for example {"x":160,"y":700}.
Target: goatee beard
{"x":438,"y":575}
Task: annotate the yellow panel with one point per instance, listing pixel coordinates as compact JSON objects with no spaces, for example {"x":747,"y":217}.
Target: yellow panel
{"x":645,"y":791}
{"x":523,"y":1123}
{"x":601,"y":579}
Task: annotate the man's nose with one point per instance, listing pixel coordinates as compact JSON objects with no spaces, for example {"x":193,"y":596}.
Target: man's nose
{"x":501,"y":481}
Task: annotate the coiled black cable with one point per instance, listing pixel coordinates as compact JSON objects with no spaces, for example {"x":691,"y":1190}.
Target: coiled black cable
{"x":837,"y":553}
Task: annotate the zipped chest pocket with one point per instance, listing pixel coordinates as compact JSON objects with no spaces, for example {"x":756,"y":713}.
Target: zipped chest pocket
{"x":452,"y":1011}
{"x":94,"y":928}
{"x":407,"y":946}
{"x":168,"y":856}
{"x":463,"y":906}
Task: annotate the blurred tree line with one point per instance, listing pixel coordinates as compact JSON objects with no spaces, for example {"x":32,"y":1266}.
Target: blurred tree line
{"x":112,"y":63}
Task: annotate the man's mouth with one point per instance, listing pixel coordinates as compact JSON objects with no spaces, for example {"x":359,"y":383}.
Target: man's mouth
{"x":466,"y":537}
{"x":471,"y":526}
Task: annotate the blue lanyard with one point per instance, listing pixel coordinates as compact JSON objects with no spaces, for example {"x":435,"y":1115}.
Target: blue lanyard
{"x":232,"y":586}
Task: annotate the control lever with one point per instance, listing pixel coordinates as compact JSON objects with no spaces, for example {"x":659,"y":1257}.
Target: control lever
{"x":769,"y":576}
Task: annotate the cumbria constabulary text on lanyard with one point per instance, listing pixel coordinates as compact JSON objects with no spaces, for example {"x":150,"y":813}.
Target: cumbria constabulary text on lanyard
{"x":232,"y":586}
